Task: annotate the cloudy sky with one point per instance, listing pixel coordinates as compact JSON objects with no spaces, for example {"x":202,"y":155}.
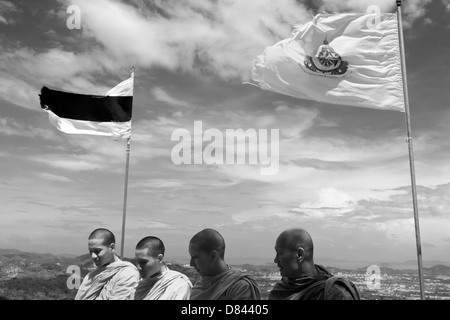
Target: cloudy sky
{"x":343,"y":171}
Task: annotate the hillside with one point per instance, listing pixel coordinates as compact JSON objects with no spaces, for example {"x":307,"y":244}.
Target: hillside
{"x":35,"y":276}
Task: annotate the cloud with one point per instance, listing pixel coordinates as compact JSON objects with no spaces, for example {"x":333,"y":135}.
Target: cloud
{"x":53,"y":177}
{"x":56,"y":67}
{"x":7,"y":8}
{"x":427,"y":21}
{"x":216,"y":38}
{"x":219,"y":39}
{"x":39,"y":204}
{"x":19,"y":92}
{"x":100,"y":148}
{"x":346,"y":209}
{"x":325,"y":165}
{"x":357,"y":5}
{"x":161,"y":95}
{"x":295,"y":121}
{"x":159,"y":183}
{"x":151,"y":225}
{"x":10,"y":127}
{"x":90,"y":209}
{"x":331,"y":202}
{"x":432,"y":204}
{"x":446,"y":4}
{"x":25,"y":71}
{"x":411,"y":9}
{"x":72,"y":162}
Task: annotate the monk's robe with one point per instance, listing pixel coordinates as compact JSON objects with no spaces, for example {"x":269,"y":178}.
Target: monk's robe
{"x":229,"y":285}
{"x":116,"y":281}
{"x":323,"y":286}
{"x":170,"y":285}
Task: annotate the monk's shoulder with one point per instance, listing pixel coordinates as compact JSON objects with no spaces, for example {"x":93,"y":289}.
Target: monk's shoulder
{"x":339,"y":292}
{"x":183,"y":280}
{"x":243,"y":289}
{"x":129,"y":271}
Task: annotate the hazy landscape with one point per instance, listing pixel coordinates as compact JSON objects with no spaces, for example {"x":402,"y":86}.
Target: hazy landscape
{"x":37,"y":276}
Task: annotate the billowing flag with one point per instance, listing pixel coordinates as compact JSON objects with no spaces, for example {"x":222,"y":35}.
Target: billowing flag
{"x":108,"y":115}
{"x":348,"y":59}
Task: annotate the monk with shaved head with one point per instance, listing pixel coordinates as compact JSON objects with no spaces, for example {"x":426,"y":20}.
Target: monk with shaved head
{"x":113,"y":279}
{"x":158,"y":281}
{"x":302,"y":279}
{"x":217,"y":280}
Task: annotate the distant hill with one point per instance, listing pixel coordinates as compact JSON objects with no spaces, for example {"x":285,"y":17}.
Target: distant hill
{"x":8,"y":251}
{"x":385,"y":270}
{"x":13,"y":256}
{"x":434,"y":270}
{"x":354,"y":265}
{"x":427,"y":263}
{"x":30,"y":258}
{"x":438,"y":270}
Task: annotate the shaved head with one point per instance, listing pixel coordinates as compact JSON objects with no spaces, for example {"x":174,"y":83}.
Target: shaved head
{"x":208,"y":240}
{"x":294,"y":254}
{"x":149,"y":256}
{"x":104,"y":234}
{"x":292,"y":239}
{"x":154,"y":245}
{"x":101,"y":244}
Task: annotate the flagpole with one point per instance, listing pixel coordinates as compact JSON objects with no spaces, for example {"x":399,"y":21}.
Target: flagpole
{"x":125,"y":193}
{"x":410,"y":148}
{"x":125,"y":197}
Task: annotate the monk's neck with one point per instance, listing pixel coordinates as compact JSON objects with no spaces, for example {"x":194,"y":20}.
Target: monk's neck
{"x":114,"y":259}
{"x":309,"y":270}
{"x":161,"y":271}
{"x":222,"y":267}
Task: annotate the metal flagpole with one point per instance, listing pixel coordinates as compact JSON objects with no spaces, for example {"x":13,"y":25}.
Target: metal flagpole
{"x":125,"y":195}
{"x":410,"y":147}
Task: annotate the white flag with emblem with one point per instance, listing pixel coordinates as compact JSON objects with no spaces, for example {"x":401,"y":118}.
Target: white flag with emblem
{"x":348,"y":59}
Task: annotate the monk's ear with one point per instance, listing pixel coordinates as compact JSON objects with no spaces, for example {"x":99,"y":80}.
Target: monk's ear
{"x":160,"y":257}
{"x":214,"y":255}
{"x":300,"y":254}
{"x":112,"y":246}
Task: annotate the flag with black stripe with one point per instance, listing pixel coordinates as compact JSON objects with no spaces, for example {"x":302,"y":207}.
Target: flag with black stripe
{"x":75,"y":113}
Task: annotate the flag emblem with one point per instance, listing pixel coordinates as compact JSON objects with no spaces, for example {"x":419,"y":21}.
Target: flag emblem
{"x":326,"y":61}
{"x":337,"y":59}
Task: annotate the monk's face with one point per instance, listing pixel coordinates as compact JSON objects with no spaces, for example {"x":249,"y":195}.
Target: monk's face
{"x":287,"y":259}
{"x":147,"y":264}
{"x":200,"y":260}
{"x":101,"y":254}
